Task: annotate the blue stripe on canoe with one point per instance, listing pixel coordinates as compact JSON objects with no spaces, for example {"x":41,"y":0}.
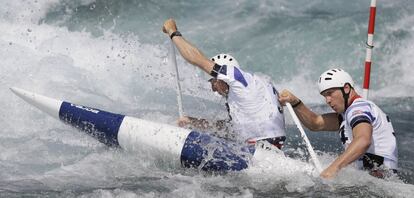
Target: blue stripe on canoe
{"x":214,"y":154}
{"x":102,"y":125}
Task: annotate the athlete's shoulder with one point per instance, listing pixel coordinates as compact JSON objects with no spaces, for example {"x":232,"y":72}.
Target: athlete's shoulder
{"x":360,"y":102}
{"x":232,"y":74}
{"x":359,"y":111}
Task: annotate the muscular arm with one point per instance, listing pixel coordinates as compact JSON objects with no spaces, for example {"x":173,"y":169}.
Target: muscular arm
{"x":362,"y":134}
{"x":187,"y":50}
{"x":316,"y":122}
{"x":311,"y":120}
{"x":193,"y":55}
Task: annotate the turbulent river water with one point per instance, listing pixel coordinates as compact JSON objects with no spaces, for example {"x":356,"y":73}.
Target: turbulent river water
{"x":112,"y":55}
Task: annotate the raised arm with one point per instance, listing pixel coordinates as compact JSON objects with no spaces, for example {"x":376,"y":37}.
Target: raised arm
{"x":311,"y":120}
{"x":187,"y":50}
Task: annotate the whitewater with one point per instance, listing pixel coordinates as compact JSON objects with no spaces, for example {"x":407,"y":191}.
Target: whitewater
{"x":112,"y":55}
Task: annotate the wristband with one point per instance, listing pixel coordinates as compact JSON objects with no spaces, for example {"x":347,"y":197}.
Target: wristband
{"x":297,"y":104}
{"x":176,"y":33}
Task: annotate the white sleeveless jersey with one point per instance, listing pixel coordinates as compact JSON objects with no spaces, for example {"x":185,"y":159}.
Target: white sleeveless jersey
{"x":383,"y":142}
{"x":254,"y":109}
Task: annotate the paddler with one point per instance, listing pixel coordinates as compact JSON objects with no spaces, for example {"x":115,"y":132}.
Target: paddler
{"x":254,"y":111}
{"x":365,"y":130}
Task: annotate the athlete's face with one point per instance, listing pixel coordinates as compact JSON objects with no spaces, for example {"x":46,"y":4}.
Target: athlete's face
{"x":335,"y":99}
{"x":220,"y":87}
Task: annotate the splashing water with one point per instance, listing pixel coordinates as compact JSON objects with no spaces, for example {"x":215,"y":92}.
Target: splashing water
{"x":112,"y":55}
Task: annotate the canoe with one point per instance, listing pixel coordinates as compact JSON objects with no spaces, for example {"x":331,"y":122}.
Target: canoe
{"x":192,"y":148}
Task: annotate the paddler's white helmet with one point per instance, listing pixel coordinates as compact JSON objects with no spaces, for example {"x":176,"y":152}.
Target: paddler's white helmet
{"x":225,"y":59}
{"x":334,"y":78}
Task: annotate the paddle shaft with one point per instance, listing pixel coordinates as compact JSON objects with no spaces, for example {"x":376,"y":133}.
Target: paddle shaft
{"x":305,"y":138}
{"x":177,"y":80}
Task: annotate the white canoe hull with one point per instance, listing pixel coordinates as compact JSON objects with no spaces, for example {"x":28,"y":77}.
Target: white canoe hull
{"x":191,"y":148}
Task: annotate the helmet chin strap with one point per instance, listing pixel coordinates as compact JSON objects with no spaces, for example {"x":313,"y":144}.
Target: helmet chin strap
{"x":345,"y":95}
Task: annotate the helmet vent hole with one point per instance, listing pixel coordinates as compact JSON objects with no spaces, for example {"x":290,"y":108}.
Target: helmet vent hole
{"x":218,"y":57}
{"x":213,"y":59}
{"x":225,"y":56}
{"x":328,"y":78}
{"x":230,"y":59}
{"x":329,"y":74}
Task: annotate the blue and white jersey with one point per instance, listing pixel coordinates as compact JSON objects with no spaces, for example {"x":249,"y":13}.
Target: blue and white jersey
{"x":253,"y":105}
{"x":383,"y":142}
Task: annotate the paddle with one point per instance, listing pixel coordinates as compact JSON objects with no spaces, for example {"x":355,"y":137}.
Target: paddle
{"x":303,"y":134}
{"x":177,"y":80}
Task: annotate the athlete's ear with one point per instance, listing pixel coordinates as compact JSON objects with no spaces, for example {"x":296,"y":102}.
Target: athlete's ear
{"x":347,"y":88}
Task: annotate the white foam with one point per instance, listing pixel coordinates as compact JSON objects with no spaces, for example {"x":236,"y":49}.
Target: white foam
{"x":25,"y":11}
{"x":397,"y":80}
{"x":118,"y":73}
